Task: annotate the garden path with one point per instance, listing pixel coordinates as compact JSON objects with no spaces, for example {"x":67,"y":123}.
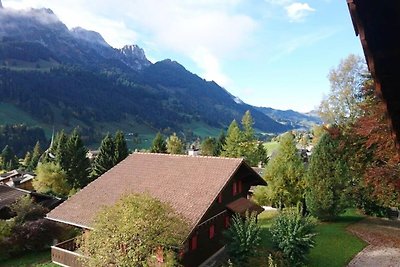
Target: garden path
{"x":383,"y":238}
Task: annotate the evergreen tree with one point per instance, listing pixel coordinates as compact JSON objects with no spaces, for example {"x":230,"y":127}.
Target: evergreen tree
{"x":174,"y":145}
{"x":58,"y":150}
{"x":233,"y":142}
{"x":327,"y":179}
{"x":208,"y":147}
{"x":121,"y":148}
{"x":8,"y":159}
{"x":221,"y":141}
{"x":247,"y":124}
{"x":284,"y":174}
{"x":78,"y":165}
{"x":106,"y":158}
{"x":159,"y":145}
{"x":27,"y":159}
{"x":36,"y":154}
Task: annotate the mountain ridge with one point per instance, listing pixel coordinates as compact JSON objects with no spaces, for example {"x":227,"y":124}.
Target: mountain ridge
{"x":74,"y":77}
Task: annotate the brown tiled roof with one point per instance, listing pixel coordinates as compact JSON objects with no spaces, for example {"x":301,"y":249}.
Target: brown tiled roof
{"x":242,"y":205}
{"x":8,"y":195}
{"x":188,"y":184}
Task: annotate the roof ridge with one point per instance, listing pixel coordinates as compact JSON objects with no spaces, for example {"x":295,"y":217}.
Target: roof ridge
{"x":187,"y":156}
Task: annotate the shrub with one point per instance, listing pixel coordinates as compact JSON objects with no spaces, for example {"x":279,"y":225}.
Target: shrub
{"x":243,"y":237}
{"x":293,"y":235}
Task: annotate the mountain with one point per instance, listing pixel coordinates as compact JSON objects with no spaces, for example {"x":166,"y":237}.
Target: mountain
{"x":66,"y":78}
{"x":293,"y":118}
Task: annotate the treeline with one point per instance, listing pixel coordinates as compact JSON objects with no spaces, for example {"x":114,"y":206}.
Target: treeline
{"x":235,"y":144}
{"x":21,"y":138}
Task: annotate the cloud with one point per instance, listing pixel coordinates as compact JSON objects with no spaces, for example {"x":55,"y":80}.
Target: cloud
{"x":210,"y":66}
{"x":298,"y":11}
{"x":295,"y":11}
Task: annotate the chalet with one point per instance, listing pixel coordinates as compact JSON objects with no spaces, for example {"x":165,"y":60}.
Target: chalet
{"x":206,"y":191}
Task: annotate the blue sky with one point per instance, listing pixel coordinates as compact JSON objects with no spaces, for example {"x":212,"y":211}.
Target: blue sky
{"x":274,"y":53}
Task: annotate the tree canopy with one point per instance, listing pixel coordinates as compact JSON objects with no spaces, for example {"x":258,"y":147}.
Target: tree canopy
{"x":130,"y":232}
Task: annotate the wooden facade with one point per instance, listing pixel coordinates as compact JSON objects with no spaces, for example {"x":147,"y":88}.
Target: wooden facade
{"x":217,"y":217}
{"x":65,"y":254}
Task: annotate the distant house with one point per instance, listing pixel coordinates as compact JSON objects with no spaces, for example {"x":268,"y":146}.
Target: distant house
{"x":9,"y":195}
{"x":206,"y":191}
{"x":92,"y":154}
{"x":19,"y":179}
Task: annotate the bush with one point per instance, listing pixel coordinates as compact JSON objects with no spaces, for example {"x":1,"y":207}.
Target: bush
{"x":243,"y":237}
{"x":293,"y":235}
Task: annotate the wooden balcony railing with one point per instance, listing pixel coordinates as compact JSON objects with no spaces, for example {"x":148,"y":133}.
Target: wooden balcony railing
{"x":65,"y":254}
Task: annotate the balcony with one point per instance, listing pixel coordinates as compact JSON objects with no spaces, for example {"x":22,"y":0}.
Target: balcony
{"x":65,"y":254}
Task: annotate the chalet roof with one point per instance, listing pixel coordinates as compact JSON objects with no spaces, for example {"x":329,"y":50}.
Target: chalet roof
{"x":378,"y":25}
{"x":9,"y":195}
{"x":242,"y":205}
{"x":189,"y":184}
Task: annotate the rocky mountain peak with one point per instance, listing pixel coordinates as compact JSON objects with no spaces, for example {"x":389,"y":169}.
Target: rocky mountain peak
{"x":134,"y":56}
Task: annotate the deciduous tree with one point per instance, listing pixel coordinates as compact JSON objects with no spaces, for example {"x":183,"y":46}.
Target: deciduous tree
{"x":341,"y":107}
{"x":129,"y":232}
{"x":51,"y":179}
{"x":174,"y":145}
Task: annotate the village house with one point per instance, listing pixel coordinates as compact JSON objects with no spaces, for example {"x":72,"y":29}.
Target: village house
{"x":206,"y":191}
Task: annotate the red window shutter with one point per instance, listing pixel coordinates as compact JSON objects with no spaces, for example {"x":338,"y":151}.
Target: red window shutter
{"x":234,"y":189}
{"x":240,"y":186}
{"x":227,"y":221}
{"x":193,"y":243}
{"x":212,"y":231}
{"x":220,"y":198}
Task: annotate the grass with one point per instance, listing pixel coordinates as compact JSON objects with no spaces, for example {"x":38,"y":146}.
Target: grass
{"x":335,"y":246}
{"x":271,"y":147}
{"x":31,"y":259}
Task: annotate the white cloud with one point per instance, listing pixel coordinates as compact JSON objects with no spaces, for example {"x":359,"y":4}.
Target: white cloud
{"x":298,"y":11}
{"x":210,"y":66}
{"x":295,"y":11}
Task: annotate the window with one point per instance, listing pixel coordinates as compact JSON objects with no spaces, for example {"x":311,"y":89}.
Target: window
{"x":220,"y":198}
{"x":234,"y":188}
{"x":211,"y":231}
{"x":240,"y":186}
{"x":227,"y":221}
{"x":193,"y":242}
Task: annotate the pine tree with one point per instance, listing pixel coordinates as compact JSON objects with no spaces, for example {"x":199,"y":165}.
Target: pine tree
{"x":233,"y":142}
{"x":247,"y":124}
{"x":121,"y":148}
{"x":174,"y":145}
{"x":159,"y":145}
{"x":36,"y":154}
{"x":208,"y":147}
{"x":327,"y":179}
{"x":78,"y":166}
{"x":106,"y":158}
{"x":285,"y":175}
{"x":221,"y":141}
{"x":27,"y":159}
{"x":8,"y":159}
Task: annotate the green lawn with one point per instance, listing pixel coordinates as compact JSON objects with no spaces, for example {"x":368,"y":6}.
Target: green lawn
{"x":335,"y":247}
{"x":31,"y":259}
